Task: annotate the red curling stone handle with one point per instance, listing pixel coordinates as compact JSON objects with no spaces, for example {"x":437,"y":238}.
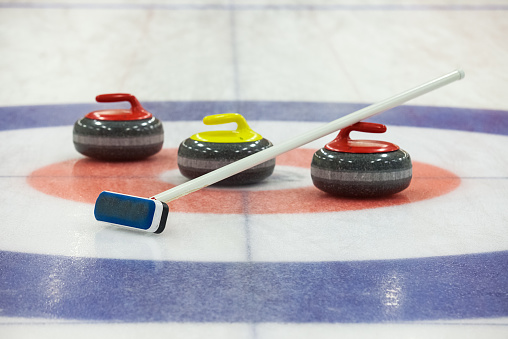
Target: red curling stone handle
{"x":343,"y":143}
{"x":368,"y":127}
{"x":116,"y":97}
{"x":136,"y":112}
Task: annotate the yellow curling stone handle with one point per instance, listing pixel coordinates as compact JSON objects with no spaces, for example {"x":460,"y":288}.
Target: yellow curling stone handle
{"x":243,"y":132}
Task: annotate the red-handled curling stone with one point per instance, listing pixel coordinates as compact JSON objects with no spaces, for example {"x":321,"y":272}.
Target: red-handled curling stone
{"x":118,"y":134}
{"x":361,"y":168}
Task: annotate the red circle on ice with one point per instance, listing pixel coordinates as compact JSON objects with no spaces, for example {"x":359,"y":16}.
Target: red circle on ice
{"x":83,"y":180}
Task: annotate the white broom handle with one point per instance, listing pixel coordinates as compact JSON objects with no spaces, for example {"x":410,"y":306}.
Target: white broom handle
{"x":269,"y":153}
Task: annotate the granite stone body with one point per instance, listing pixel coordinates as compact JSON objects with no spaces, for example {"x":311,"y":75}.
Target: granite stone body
{"x":361,"y":175}
{"x":118,"y":140}
{"x":196,"y":158}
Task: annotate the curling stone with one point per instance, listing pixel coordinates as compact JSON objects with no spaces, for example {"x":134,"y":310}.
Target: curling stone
{"x":361,"y":168}
{"x":118,"y":134}
{"x":206,"y":151}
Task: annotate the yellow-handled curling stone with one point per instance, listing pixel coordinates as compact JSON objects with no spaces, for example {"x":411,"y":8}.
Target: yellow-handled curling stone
{"x":207,"y":151}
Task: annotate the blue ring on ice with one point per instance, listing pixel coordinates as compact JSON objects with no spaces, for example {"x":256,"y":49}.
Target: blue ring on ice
{"x":91,"y":289}
{"x":464,"y":119}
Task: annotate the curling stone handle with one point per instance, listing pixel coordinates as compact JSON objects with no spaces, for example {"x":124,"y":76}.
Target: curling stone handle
{"x":226,"y":118}
{"x":367,"y":127}
{"x":117,"y":97}
{"x":343,"y":143}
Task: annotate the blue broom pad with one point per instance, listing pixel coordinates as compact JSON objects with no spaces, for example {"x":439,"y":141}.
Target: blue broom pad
{"x":125,"y":210}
